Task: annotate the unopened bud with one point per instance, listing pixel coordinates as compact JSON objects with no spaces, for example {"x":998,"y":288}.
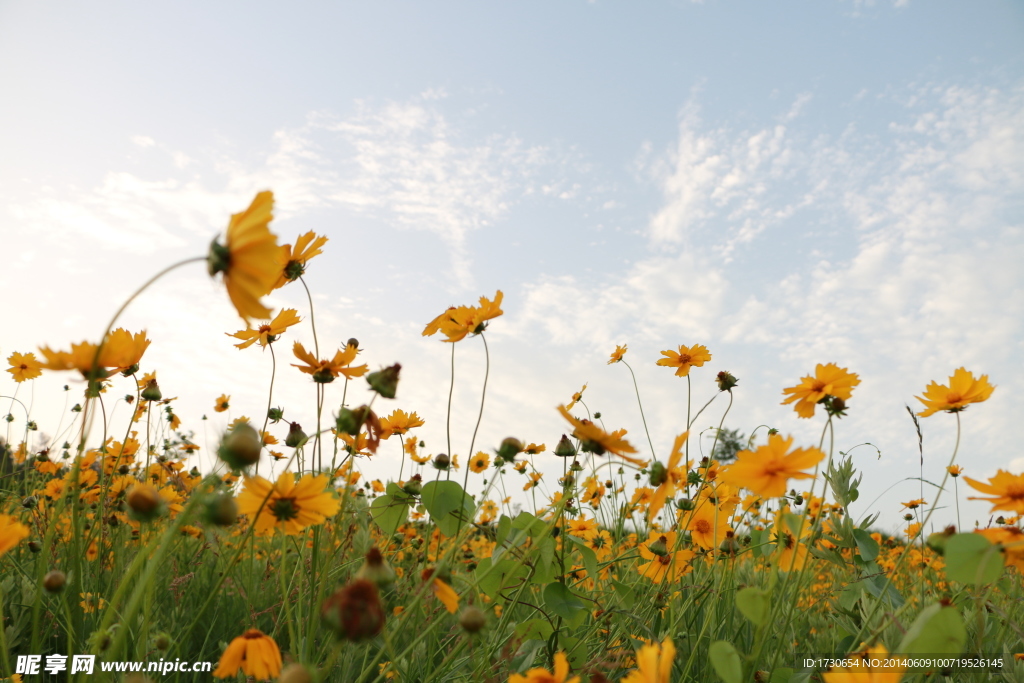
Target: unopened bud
{"x":376,"y":569}
{"x":385,"y":381}
{"x":509,"y":448}
{"x":221,"y":509}
{"x":152,"y":391}
{"x":685,"y":504}
{"x":144,"y":503}
{"x":29,"y":502}
{"x":441,"y":461}
{"x":414,"y":486}
{"x":659,"y":547}
{"x":354,"y":612}
{"x":658,"y":474}
{"x":472,"y":619}
{"x":296,"y":437}
{"x":351,"y":421}
{"x":241,"y":446}
{"x":564,"y":448}
{"x":54,"y":581}
{"x":726,"y":381}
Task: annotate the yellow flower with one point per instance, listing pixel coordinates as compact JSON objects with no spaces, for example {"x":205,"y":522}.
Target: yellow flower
{"x":293,"y":259}
{"x":124,"y":350}
{"x":479,"y":462}
{"x":399,"y":422}
{"x":290,"y":506}
{"x":447,"y":595}
{"x":767,"y":470}
{"x":654,"y":663}
{"x":708,"y":525}
{"x":687,"y":357}
{"x":91,"y":602}
{"x":861,"y":670}
{"x":576,"y":398}
{"x":914,"y":504}
{"x":249,"y":259}
{"x":962,"y":390}
{"x":267,"y":332}
{"x":664,"y":563}
{"x":222,"y":403}
{"x":534,"y":481}
{"x":617,"y":354}
{"x":325,"y":371}
{"x":24,"y":366}
{"x":595,"y":440}
{"x":12,"y":532}
{"x":667,"y":479}
{"x":541,"y":675}
{"x":255,"y":653}
{"x":1007,"y":488}
{"x":955,"y":470}
{"x":828,"y":380}
{"x":458,"y":322}
{"x":583,"y":528}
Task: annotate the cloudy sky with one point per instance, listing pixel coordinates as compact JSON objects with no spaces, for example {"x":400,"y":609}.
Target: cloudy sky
{"x":786,"y":183}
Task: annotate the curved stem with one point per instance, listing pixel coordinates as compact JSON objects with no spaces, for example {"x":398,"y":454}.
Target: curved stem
{"x":312,"y":320}
{"x":270,"y":394}
{"x":451,"y":390}
{"x":642,"y":417}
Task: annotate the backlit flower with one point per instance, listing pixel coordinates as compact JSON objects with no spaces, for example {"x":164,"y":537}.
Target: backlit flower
{"x":255,"y":653}
{"x":24,"y":366}
{"x":708,"y":524}
{"x":576,"y":398}
{"x":269,"y":331}
{"x":249,"y":259}
{"x":222,"y":403}
{"x":1007,"y":491}
{"x":654,"y":663}
{"x":291,"y":505}
{"x":664,"y":564}
{"x":399,"y":422}
{"x":479,"y":462}
{"x":687,"y":357}
{"x":617,"y":354}
{"x":767,"y":470}
{"x":595,"y":440}
{"x":293,"y":259}
{"x":124,"y":350}
{"x":541,"y":675}
{"x":324,"y":371}
{"x":828,"y":380}
{"x":963,"y":389}
{"x":458,"y":322}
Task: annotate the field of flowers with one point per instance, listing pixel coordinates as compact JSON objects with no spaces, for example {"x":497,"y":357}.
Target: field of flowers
{"x":744,"y":565}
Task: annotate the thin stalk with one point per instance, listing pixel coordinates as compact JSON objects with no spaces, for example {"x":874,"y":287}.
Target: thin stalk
{"x":642,"y":416}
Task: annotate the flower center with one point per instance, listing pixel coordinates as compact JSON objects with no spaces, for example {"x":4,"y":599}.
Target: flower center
{"x":264,"y":329}
{"x":284,"y":509}
{"x":702,"y":526}
{"x":953,"y":399}
{"x":684,"y":358}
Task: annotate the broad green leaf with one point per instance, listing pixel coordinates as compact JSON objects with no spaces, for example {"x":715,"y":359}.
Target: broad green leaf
{"x":561,"y":601}
{"x":530,"y":524}
{"x":625,"y":593}
{"x":726,"y":661}
{"x":754,"y":604}
{"x":972,"y":558}
{"x":781,"y":675}
{"x":504,"y":526}
{"x":495,"y":577}
{"x":866,"y":545}
{"x":937,"y":630}
{"x":589,"y":556}
{"x":388,"y":513}
{"x":448,"y":505}
{"x":539,"y":629}
{"x":545,"y":569}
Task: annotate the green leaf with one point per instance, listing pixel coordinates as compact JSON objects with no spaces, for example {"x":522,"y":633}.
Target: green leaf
{"x":760,"y":540}
{"x":937,"y":630}
{"x":754,"y":604}
{"x":545,"y":569}
{"x":972,"y":558}
{"x":726,"y":661}
{"x":589,"y":556}
{"x":781,"y":675}
{"x":625,"y":593}
{"x":866,"y":545}
{"x":388,"y":513}
{"x":530,"y":524}
{"x":561,"y":601}
{"x":448,"y":505}
{"x":495,"y":577}
{"x":504,"y":526}
{"x":539,"y":629}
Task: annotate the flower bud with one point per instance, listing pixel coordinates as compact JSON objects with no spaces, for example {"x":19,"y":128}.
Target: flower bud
{"x":54,"y":581}
{"x":275,"y":415}
{"x":354,"y":612}
{"x":377,"y":570}
{"x":352,"y":342}
{"x":685,"y":504}
{"x":241,"y":446}
{"x":152,"y":391}
{"x":34,"y":546}
{"x":509,"y":448}
{"x":221,"y":509}
{"x":658,"y":474}
{"x":659,"y":547}
{"x":351,"y":421}
{"x":144,"y":503}
{"x":472,"y":619}
{"x":726,"y":381}
{"x":414,"y":486}
{"x":295,"y":673}
{"x":385,"y":381}
{"x":162,"y":641}
{"x":441,"y":461}
{"x":296,"y":437}
{"x":564,"y":448}
{"x":29,"y":502}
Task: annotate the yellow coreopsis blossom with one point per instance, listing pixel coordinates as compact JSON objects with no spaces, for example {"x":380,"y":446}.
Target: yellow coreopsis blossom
{"x":290,"y":505}
{"x":325,"y":371}
{"x":654,"y":664}
{"x":963,"y":390}
{"x":828,"y":380}
{"x":255,"y":653}
{"x":541,"y":675}
{"x":24,"y":366}
{"x":269,"y":331}
{"x":458,"y":322}
{"x":767,"y":470}
{"x":862,"y":672}
{"x":12,"y":532}
{"x":687,"y":357}
{"x":1007,"y":491}
{"x":293,"y":259}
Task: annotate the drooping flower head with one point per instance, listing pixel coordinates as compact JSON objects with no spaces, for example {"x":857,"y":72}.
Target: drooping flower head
{"x":325,"y":371}
{"x":617,"y":354}
{"x":249,"y":259}
{"x":828,"y":380}
{"x":767,"y":470}
{"x":255,"y":653}
{"x":687,"y":357}
{"x":595,"y":440}
{"x":963,"y":390}
{"x":269,"y":331}
{"x":293,"y":259}
{"x":667,"y":479}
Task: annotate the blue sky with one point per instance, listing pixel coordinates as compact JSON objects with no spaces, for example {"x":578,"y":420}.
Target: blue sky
{"x":787,"y":183}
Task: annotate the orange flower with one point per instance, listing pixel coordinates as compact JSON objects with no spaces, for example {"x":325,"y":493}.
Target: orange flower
{"x":458,"y":322}
{"x":541,"y":675}
{"x":12,"y":532}
{"x":595,"y":440}
{"x":828,"y":380}
{"x":687,"y":357}
{"x":222,"y":403}
{"x":290,"y":505}
{"x":267,"y":332}
{"x":479,"y":462}
{"x":664,"y":563}
{"x":399,"y":422}
{"x":250,"y":258}
{"x":324,"y":371}
{"x":255,"y":653}
{"x":654,"y":663}
{"x":1007,"y":489}
{"x":962,"y":390}
{"x":617,"y":354}
{"x":293,"y":259}
{"x":708,"y":525}
{"x":767,"y":470}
